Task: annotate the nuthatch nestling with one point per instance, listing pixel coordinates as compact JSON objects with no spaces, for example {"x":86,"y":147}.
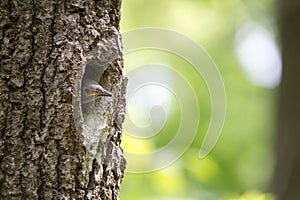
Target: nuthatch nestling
{"x":91,"y":90}
{"x":98,"y":60}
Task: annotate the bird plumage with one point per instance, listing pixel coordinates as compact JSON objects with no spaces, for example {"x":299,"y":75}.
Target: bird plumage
{"x":99,"y":59}
{"x":92,"y":90}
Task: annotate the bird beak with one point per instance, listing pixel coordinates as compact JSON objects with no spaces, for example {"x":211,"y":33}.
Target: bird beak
{"x":100,"y":92}
{"x":105,"y":93}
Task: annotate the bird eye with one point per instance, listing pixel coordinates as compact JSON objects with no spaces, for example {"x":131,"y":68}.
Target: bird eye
{"x":87,"y":90}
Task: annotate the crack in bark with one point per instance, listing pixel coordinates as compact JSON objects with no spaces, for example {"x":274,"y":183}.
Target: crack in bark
{"x":22,"y":136}
{"x":5,"y":149}
{"x":57,"y":166}
{"x":92,"y":176}
{"x":40,"y":190}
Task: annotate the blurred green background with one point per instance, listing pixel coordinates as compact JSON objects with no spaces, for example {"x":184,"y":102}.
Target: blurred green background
{"x":241,"y":38}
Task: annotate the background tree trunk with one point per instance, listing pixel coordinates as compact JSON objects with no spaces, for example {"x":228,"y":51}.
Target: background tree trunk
{"x":286,"y":182}
{"x":43,"y":46}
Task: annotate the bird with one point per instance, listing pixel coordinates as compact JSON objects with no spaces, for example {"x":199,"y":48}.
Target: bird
{"x":92,"y":90}
{"x":90,"y":87}
{"x":99,"y":59}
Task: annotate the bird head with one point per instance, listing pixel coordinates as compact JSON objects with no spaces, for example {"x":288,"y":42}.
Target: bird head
{"x":91,"y":90}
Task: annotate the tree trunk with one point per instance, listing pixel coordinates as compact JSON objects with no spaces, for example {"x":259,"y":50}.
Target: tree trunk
{"x":286,"y":180}
{"x":43,"y":150}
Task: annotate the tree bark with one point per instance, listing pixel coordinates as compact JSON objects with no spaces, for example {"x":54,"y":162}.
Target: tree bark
{"x":286,"y":180}
{"x":42,"y":152}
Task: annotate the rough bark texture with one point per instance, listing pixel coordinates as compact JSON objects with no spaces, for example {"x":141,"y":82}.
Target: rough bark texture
{"x":286,"y":182}
{"x":43,"y":44}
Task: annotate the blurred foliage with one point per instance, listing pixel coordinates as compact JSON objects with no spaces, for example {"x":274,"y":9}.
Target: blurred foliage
{"x":240,"y":165}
